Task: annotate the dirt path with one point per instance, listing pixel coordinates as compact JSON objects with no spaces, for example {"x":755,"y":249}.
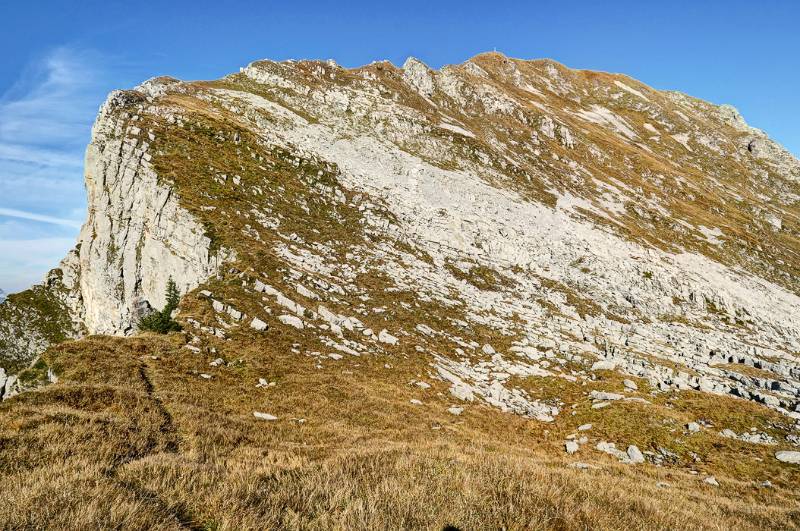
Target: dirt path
{"x":167,"y":439}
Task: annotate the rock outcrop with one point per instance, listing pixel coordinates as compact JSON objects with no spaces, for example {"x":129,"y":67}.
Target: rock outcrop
{"x":137,"y":235}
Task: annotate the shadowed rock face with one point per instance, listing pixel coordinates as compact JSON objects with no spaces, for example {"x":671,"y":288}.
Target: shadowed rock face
{"x":584,"y":218}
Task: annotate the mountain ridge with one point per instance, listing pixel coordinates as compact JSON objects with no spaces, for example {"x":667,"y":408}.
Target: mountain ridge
{"x":415,"y":75}
{"x":509,"y":244}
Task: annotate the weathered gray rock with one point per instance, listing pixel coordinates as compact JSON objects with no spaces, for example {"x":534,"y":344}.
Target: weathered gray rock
{"x":604,"y":365}
{"x":462,"y":392}
{"x":788,"y":456}
{"x":602,"y":395}
{"x":118,"y":264}
{"x":385,"y":337}
{"x":751,"y":437}
{"x":419,"y":76}
{"x":9,"y":385}
{"x":635,"y":455}
{"x":291,"y":320}
{"x":611,"y":449}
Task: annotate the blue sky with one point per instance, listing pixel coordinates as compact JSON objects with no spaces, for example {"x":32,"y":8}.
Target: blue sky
{"x":61,"y":58}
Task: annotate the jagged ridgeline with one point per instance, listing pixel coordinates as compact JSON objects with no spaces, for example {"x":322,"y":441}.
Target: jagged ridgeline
{"x":509,"y":254}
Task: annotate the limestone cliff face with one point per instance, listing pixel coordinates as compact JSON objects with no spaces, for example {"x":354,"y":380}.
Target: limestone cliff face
{"x":137,"y":235}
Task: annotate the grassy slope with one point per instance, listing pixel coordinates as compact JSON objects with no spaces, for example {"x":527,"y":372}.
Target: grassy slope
{"x":125,"y":440}
{"x":39,"y":315}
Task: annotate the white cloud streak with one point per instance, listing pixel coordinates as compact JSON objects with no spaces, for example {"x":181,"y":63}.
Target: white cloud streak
{"x":38,"y":156}
{"x":21,"y":214}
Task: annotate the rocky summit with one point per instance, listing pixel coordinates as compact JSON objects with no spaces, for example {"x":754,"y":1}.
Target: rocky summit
{"x":504,"y":293}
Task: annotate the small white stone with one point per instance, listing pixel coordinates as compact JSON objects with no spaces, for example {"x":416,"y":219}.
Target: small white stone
{"x":258,"y":324}
{"x":305,"y":292}
{"x":571,"y":447}
{"x":635,"y":455}
{"x":264,"y":416}
{"x":291,"y":320}
{"x":385,"y":337}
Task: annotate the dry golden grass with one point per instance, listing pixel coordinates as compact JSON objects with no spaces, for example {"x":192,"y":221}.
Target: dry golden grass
{"x":747,"y":370}
{"x":126,"y":441}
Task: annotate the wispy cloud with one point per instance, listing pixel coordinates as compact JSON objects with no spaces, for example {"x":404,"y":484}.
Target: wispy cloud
{"x":49,"y":102}
{"x":21,"y":214}
{"x":45,"y":124}
{"x":38,"y":155}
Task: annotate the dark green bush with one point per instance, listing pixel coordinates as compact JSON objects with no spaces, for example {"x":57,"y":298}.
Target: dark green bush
{"x":162,"y":321}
